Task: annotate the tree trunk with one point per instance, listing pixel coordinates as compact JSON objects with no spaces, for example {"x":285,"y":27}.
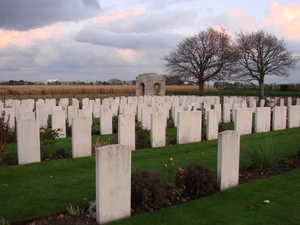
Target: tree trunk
{"x":261,"y":89}
{"x":201,"y":88}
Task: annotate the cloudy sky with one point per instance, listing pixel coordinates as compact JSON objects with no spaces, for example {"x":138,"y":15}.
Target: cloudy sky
{"x":97,"y":40}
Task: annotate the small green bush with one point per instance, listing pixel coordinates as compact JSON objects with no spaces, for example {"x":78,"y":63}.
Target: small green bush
{"x":142,"y":137}
{"x":74,"y":210}
{"x":115,"y":124}
{"x":48,"y":138}
{"x":149,"y":190}
{"x":4,"y":134}
{"x":95,"y":131}
{"x":221,"y":126}
{"x":3,"y":221}
{"x":68,"y":129}
{"x":12,"y":136}
{"x":99,"y":143}
{"x":174,"y":176}
{"x":197,"y":180}
{"x":61,"y":153}
{"x":170,"y":123}
{"x":262,"y":153}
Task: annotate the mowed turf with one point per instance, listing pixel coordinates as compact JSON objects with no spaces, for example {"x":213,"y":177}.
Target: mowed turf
{"x":45,"y":188}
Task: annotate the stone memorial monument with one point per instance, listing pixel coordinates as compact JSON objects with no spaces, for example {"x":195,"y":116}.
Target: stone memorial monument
{"x":150,"y":84}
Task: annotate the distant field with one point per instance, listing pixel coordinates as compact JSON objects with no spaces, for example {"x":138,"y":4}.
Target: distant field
{"x":268,"y":93}
{"x":100,"y":91}
{"x":61,"y":90}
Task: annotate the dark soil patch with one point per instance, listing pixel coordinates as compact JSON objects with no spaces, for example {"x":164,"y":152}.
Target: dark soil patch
{"x":245,"y":176}
{"x":282,"y":167}
{"x":59,"y":219}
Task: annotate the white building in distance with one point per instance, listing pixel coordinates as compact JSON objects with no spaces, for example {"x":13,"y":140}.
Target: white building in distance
{"x":50,"y":81}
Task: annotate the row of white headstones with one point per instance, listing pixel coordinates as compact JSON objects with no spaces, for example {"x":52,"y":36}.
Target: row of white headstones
{"x":113,"y":162}
{"x":152,"y":112}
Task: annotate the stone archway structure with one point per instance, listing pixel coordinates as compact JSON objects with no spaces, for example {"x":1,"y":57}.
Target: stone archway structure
{"x":150,"y":84}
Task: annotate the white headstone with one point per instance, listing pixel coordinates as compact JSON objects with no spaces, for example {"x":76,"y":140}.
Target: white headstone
{"x":158,"y":130}
{"x":228,"y":159}
{"x":189,"y":127}
{"x":106,"y":121}
{"x":113,"y":183}
{"x":126,"y":130}
{"x":10,"y":112}
{"x":72,"y":113}
{"x":58,"y":122}
{"x":243,"y":121}
{"x":227,"y":112}
{"x":279,"y":118}
{"x":294,"y":116}
{"x":212,"y":125}
{"x":262,"y":119}
{"x":28,"y":141}
{"x":81,"y":137}
{"x":146,"y":117}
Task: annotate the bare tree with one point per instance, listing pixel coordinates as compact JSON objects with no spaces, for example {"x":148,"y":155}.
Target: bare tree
{"x":209,"y":55}
{"x":174,"y":80}
{"x":261,"y":54}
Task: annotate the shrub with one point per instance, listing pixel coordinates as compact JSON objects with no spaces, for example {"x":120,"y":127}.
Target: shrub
{"x":12,"y":136}
{"x":48,"y":138}
{"x":98,"y":143}
{"x":262,"y":153}
{"x":174,"y":173}
{"x":221,"y":126}
{"x":115,"y":124}
{"x":4,"y":134}
{"x":61,"y":153}
{"x":170,"y":123}
{"x":68,"y":129}
{"x":149,"y":190}
{"x":171,"y":140}
{"x":95,"y":131}
{"x":142,"y":137}
{"x":74,"y":210}
{"x":197,"y":180}
{"x":203,"y":120}
{"x":3,"y":221}
{"x":9,"y":160}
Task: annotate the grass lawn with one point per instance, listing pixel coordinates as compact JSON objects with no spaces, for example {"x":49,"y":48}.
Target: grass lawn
{"x":49,"y":187}
{"x":233,"y":206}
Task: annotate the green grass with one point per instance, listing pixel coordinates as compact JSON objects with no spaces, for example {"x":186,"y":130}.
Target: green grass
{"x":28,"y":191}
{"x":233,"y":206}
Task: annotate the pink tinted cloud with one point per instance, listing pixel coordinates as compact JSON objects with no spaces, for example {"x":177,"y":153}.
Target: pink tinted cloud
{"x":285,"y":17}
{"x":116,"y":16}
{"x":24,"y":38}
{"x":239,"y":19}
{"x":227,"y":31}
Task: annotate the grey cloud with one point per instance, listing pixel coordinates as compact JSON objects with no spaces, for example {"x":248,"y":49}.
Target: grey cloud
{"x":293,"y":45}
{"x":126,"y":40}
{"x":68,"y":60}
{"x":235,"y":21}
{"x":151,"y":22}
{"x":29,"y":14}
{"x":93,"y":3}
